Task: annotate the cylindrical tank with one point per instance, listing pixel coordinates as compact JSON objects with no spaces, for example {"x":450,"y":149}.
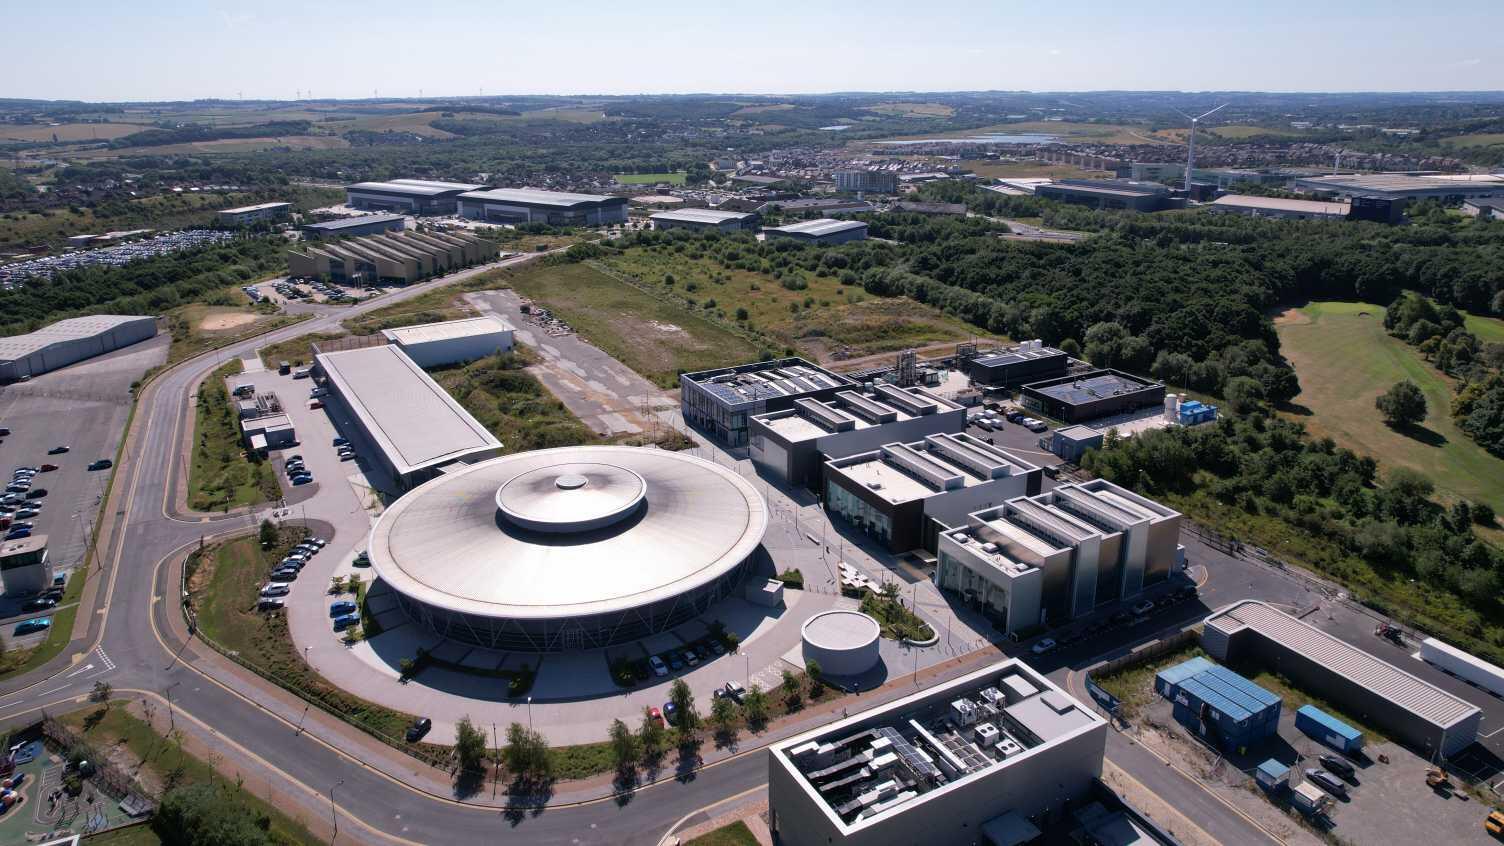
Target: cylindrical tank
{"x":1172,"y":407}
{"x":844,"y":643}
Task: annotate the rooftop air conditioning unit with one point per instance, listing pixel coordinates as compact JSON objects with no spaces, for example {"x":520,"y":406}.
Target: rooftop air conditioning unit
{"x":877,"y":486}
{"x":989,"y":548}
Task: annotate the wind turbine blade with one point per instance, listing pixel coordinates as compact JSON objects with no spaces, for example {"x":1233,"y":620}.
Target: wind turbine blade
{"x":1182,"y":114}
{"x":1219,"y":108}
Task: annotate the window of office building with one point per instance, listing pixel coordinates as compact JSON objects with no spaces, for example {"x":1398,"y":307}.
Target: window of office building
{"x":857,"y":512}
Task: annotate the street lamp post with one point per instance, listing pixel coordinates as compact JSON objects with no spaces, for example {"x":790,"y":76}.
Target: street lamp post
{"x":530,"y":713}
{"x":171,"y":725}
{"x":334,"y":817}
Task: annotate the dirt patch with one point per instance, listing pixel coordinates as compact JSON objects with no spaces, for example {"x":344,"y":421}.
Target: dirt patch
{"x":223,"y":322}
{"x":1292,"y":317}
{"x":668,"y":329}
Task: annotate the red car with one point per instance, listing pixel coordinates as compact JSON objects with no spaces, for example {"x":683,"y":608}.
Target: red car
{"x":654,"y":713}
{"x":47,"y":468}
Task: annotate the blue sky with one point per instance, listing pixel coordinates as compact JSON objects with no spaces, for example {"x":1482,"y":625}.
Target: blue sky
{"x":154,"y":50}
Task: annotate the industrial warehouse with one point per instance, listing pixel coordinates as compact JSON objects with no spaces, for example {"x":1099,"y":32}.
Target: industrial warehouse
{"x":1088,"y":396}
{"x":70,"y":341}
{"x":822,"y":231}
{"x":350,"y":227}
{"x":395,"y":257}
{"x":1045,"y":559}
{"x":251,"y":215}
{"x":452,"y":341}
{"x":408,"y":196}
{"x":418,"y":430}
{"x":994,"y":756}
{"x":1030,"y":361}
{"x":1412,"y":711}
{"x":706,"y":219}
{"x":904,"y":494}
{"x":721,"y":402}
{"x":570,"y":548}
{"x":1108,"y":194}
{"x":554,"y":208}
{"x":793,"y":444}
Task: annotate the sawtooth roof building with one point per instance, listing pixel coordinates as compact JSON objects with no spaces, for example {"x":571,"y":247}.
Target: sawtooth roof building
{"x":70,"y":341}
{"x":408,"y":196}
{"x":393,"y":257}
{"x":416,"y":428}
{"x":555,"y":208}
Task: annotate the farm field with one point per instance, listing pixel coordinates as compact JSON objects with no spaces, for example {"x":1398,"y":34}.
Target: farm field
{"x":655,"y":337}
{"x":223,"y":145}
{"x":1020,"y":170}
{"x":914,"y":110}
{"x":827,"y":321}
{"x":1480,"y":139}
{"x":1344,"y":360}
{"x":1238,"y":133}
{"x":675,"y":178}
{"x":68,"y":131}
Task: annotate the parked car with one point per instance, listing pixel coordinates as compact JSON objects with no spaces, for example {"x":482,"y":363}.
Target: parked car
{"x":731,"y":690}
{"x":659,"y":668}
{"x":1014,"y":416}
{"x":269,"y":603}
{"x":347,"y":456}
{"x":345,"y":622}
{"x":341,"y":608}
{"x":675,"y":663}
{"x":58,"y":450}
{"x":320,"y":391}
{"x":36,"y":493}
{"x":717,"y":648}
{"x":47,"y":468}
{"x":691,"y":658}
{"x":17,"y":534}
{"x":670,"y":713}
{"x":28,"y":511}
{"x":1337,"y":766}
{"x":1328,"y":782}
{"x":1043,"y":647}
{"x":418,"y":729}
{"x":275,"y":590}
{"x":301,"y":480}
{"x":101,"y":464}
{"x":1143,"y":608}
{"x":339,"y":442}
{"x":315,"y":403}
{"x":39,"y":603}
{"x":35,"y":624}
{"x":284,"y":576}
{"x":318,"y":542}
{"x":23,"y":524}
{"x":293,"y":458}
{"x":1034,"y":425}
{"x":655,"y":714}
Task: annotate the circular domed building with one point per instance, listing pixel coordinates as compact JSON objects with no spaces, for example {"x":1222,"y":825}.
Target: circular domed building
{"x":570,"y":548}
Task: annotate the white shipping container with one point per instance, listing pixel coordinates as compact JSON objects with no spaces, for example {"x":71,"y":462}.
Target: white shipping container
{"x":1463,"y":665}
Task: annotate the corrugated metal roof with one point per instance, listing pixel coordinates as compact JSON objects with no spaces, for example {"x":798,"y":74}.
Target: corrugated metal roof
{"x":535,"y":197}
{"x":818,"y":228}
{"x":1424,"y":700}
{"x":354,"y":222}
{"x":701,"y":216}
{"x":449,"y":329}
{"x":72,"y":329}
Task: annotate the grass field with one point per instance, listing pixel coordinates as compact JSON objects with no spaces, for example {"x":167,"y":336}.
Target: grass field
{"x":675,"y":178}
{"x":1344,"y":360}
{"x":222,"y":145}
{"x":735,"y":834}
{"x":1490,"y":330}
{"x":1480,"y":139}
{"x":654,"y":337}
{"x":825,"y":320}
{"x":1021,"y":170}
{"x":1241,"y":132}
{"x":69,"y":131}
{"x":220,"y":475}
{"x":914,"y":110}
{"x":122,"y":735}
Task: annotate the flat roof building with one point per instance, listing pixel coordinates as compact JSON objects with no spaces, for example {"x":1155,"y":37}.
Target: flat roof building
{"x":348,"y":227}
{"x":1278,"y":207}
{"x":912,"y":207}
{"x":1404,"y":186}
{"x":70,"y":341}
{"x":702,"y":219}
{"x":408,"y":196}
{"x":452,"y":341}
{"x":1410,"y":710}
{"x":392,"y":257}
{"x":1108,"y":193}
{"x":720,"y":402}
{"x":554,"y":208}
{"x":827,"y":206}
{"x":1053,"y":557}
{"x":248,"y":215}
{"x":1030,"y":361}
{"x":999,"y":750}
{"x":904,"y":494}
{"x":1486,"y":207}
{"x":793,"y":444}
{"x":268,"y":431}
{"x":823,"y":231}
{"x":859,"y":181}
{"x":1088,"y":396}
{"x":25,"y":567}
{"x":416,"y":428}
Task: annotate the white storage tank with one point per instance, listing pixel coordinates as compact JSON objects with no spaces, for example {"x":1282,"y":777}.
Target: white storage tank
{"x":1172,"y":408}
{"x":843,"y":642}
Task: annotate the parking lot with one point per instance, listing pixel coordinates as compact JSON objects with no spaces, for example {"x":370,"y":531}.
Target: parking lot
{"x":284,"y":290}
{"x":83,"y":407}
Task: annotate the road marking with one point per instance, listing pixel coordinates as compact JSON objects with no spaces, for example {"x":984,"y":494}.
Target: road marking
{"x":108,"y":664}
{"x":705,"y":809}
{"x":84,"y":669}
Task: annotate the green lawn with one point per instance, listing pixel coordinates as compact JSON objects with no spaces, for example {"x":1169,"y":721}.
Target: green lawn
{"x":221,"y":475}
{"x":675,"y":178}
{"x":14,"y":663}
{"x":657,"y":338}
{"x":116,"y":727}
{"x":735,"y":834}
{"x":1490,"y":330}
{"x":1344,"y":360}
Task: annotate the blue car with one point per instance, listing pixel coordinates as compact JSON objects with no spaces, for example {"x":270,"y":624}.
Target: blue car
{"x":342,"y":608}
{"x":33,"y":625}
{"x":301,"y":480}
{"x":17,"y":534}
{"x":345,"y":622}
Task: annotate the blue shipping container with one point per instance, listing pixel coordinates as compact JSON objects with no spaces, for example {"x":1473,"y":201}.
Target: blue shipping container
{"x":1328,"y":729}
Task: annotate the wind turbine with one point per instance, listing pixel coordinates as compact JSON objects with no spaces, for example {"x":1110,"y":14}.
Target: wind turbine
{"x":1190,"y":153}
